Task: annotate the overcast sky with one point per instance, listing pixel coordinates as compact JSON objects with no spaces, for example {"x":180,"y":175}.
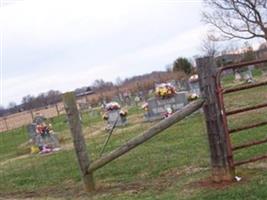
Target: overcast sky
{"x":63,"y":44}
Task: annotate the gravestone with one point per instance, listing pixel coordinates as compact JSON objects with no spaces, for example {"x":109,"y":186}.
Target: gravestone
{"x":46,"y":140}
{"x":141,"y":95}
{"x":237,"y":76}
{"x":38,"y":119}
{"x":121,"y":99}
{"x":137,"y":99}
{"x":194,"y":85}
{"x":114,"y":116}
{"x":247,"y":75}
{"x":157,"y":107}
{"x":182,"y":85}
{"x":194,"y":88}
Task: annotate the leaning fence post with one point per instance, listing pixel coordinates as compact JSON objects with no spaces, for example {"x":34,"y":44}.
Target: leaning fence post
{"x":78,"y":139}
{"x":216,"y":130}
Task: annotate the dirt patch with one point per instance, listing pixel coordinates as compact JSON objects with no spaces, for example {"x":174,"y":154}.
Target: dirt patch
{"x":257,"y":165}
{"x":208,"y":183}
{"x":74,"y":190}
{"x":14,"y":159}
{"x":69,"y":190}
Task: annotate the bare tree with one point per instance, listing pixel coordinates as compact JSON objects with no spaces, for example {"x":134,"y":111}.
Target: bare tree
{"x":244,"y":19}
{"x":209,"y":46}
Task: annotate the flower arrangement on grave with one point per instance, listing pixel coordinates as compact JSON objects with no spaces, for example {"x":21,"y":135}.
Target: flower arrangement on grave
{"x":168,"y":112}
{"x":193,"y":97}
{"x":145,"y":106}
{"x":165,"y":90}
{"x":35,"y":149}
{"x":43,"y":129}
{"x":112,"y":106}
{"x":193,"y":78}
{"x":123,"y":113}
{"x":105,"y":116}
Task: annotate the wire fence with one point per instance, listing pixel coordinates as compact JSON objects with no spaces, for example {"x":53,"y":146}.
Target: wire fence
{"x":182,"y":149}
{"x":20,"y":119}
{"x":17,"y":120}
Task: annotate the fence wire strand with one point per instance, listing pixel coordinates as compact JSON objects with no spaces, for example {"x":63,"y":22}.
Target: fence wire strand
{"x":176,"y":149}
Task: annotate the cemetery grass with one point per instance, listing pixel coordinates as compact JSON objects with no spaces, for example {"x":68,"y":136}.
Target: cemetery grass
{"x":172,"y":165}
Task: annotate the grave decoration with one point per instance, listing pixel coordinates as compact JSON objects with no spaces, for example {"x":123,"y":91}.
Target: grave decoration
{"x":165,"y":90}
{"x":194,"y":88}
{"x":114,"y":114}
{"x":42,"y":136}
{"x":164,"y":103}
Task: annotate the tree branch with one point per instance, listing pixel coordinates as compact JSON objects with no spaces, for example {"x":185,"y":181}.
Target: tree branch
{"x":244,"y":19}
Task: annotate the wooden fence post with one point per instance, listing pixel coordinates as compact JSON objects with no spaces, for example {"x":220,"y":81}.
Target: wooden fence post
{"x":214,"y":120}
{"x":78,"y":139}
{"x":32,"y":116}
{"x":58,"y":113}
{"x":5,"y":121}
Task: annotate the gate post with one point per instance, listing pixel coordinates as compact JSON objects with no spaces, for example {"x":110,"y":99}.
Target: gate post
{"x":220,"y":152}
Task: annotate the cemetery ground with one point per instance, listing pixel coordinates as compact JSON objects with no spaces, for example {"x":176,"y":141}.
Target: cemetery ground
{"x":173,"y":165}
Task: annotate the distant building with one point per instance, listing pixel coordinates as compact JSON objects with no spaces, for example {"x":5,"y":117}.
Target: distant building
{"x":227,"y":59}
{"x":261,"y":53}
{"x":83,"y":91}
{"x":82,"y":95}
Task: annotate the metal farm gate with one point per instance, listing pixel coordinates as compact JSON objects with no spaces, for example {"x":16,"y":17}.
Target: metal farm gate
{"x":221,"y":91}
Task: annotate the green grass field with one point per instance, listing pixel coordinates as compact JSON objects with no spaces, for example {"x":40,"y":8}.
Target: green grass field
{"x":173,"y":165}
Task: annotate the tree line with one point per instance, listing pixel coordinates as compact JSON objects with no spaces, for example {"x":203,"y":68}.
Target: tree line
{"x":228,"y":19}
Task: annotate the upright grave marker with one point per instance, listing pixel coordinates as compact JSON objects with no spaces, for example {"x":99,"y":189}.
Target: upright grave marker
{"x":194,"y":85}
{"x":43,"y":137}
{"x":162,"y":105}
{"x":114,"y":114}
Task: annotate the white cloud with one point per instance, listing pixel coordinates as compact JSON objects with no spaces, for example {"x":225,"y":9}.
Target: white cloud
{"x":54,"y":44}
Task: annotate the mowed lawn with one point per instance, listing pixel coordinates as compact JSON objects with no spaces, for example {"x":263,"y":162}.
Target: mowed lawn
{"x":173,"y":165}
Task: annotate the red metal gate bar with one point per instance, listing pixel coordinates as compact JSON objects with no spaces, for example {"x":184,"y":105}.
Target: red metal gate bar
{"x":247,"y":127}
{"x":249,"y":144}
{"x":246,"y":109}
{"x":220,"y":92}
{"x":250,"y":160}
{"x":243,"y":64}
{"x":244,"y":87}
